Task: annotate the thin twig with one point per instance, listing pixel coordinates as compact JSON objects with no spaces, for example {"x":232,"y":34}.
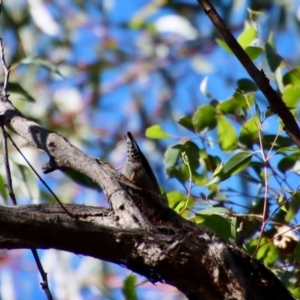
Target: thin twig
{"x":44,"y":283}
{"x":5,"y":68}
{"x":7,"y":167}
{"x":41,"y":179}
{"x":186,"y":162}
{"x":264,"y":214}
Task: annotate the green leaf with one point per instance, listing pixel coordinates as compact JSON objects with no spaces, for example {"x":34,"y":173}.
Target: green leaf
{"x":208,"y":162}
{"x":288,"y":162}
{"x":291,"y":96}
{"x":281,"y":204}
{"x":213,"y":210}
{"x":41,"y":63}
{"x":192,"y":152}
{"x":190,"y":156}
{"x":198,"y":219}
{"x":236,"y":102}
{"x":297,"y":252}
{"x":185,"y":203}
{"x":220,"y":197}
{"x":262,"y":250}
{"x":29,"y":179}
{"x":293,"y":207}
{"x":247,"y":37}
{"x":271,"y":140}
{"x":266,"y":253}
{"x":136,"y":23}
{"x":249,"y":132}
{"x":253,"y":52}
{"x":254,"y":14}
{"x":183,"y":171}
{"x":292,"y":77}
{"x":233,"y":225}
{"x":156,"y":132}
{"x":216,"y":179}
{"x":247,"y":85}
{"x":187,"y":123}
{"x":3,"y":189}
{"x":171,"y":158}
{"x":269,"y":113}
{"x":15,"y":89}
{"x":295,"y":290}
{"x":129,"y":288}
{"x":273,"y":58}
{"x":237,"y":162}
{"x":204,"y":118}
{"x":174,"y":198}
{"x":224,"y":45}
{"x":172,"y":154}
{"x":226,"y":134}
{"x":218,"y":224}
{"x":288,"y":149}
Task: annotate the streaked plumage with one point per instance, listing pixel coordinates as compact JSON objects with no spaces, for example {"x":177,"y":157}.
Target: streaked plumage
{"x":137,"y":168}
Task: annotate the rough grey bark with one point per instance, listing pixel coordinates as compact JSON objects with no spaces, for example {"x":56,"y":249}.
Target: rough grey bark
{"x":138,"y":231}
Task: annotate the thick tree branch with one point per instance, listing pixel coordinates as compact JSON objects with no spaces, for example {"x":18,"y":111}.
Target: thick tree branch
{"x":63,"y":155}
{"x":276,"y":103}
{"x":189,"y":257}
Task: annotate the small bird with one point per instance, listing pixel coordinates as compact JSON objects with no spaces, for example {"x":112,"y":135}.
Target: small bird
{"x":137,"y":168}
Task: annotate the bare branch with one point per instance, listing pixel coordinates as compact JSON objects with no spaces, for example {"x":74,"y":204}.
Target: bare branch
{"x":7,"y":167}
{"x":44,"y":283}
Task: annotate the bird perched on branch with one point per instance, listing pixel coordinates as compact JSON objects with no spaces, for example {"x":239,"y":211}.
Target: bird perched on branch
{"x":137,"y":168}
